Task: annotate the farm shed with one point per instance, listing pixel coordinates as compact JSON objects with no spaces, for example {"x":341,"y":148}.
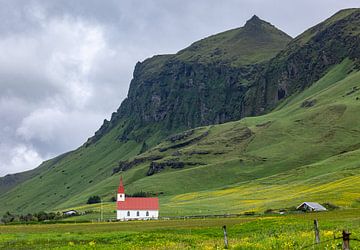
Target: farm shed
{"x":70,"y":212}
{"x":311,"y":207}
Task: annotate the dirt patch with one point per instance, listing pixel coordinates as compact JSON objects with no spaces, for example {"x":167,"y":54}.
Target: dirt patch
{"x":188,"y":142}
{"x":308,"y":103}
{"x":157,"y":167}
{"x":180,"y":136}
{"x":353,"y":90}
{"x":264,"y":125}
{"x":125,"y":165}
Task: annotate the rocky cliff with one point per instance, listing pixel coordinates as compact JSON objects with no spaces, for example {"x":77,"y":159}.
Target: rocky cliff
{"x":203,"y":84}
{"x":306,"y":59}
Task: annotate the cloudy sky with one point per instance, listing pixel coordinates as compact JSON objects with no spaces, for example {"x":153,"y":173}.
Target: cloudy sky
{"x":65,"y":65}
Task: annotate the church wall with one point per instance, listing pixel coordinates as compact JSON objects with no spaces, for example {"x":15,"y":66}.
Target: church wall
{"x":123,"y":214}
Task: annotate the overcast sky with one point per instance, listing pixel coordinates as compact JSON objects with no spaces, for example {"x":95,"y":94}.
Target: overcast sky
{"x":66,"y":65}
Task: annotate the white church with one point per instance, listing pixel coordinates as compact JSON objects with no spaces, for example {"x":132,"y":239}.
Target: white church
{"x":135,"y":208}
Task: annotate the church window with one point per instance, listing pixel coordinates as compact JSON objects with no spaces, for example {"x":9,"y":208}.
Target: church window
{"x":137,"y":213}
{"x":128,"y":213}
{"x":147,"y":213}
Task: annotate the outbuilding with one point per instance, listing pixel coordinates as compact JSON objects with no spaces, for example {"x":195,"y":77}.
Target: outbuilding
{"x":311,"y":207}
{"x":70,"y":212}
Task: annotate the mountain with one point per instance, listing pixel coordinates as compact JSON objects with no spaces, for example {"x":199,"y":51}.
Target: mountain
{"x":185,"y":131}
{"x":202,"y":84}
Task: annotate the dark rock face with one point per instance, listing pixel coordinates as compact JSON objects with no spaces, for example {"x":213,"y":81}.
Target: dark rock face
{"x":125,"y":165}
{"x":189,"y":94}
{"x":203,"y":84}
{"x":308,"y":103}
{"x":185,"y":143}
{"x":156,"y":167}
{"x":177,"y":92}
{"x":180,"y":136}
{"x":306,"y":60}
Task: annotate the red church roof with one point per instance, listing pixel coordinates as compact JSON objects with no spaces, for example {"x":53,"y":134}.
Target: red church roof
{"x":121,"y":189}
{"x":137,"y":203}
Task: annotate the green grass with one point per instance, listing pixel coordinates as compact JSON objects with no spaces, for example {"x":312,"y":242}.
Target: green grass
{"x":294,"y":154}
{"x":341,"y":15}
{"x":273,"y":161}
{"x":266,"y":232}
{"x":256,"y":42}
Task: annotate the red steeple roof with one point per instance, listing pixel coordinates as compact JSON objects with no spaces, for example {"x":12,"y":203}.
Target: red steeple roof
{"x":121,"y":189}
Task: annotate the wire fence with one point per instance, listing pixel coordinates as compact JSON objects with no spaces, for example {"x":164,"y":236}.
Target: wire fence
{"x":321,"y":243}
{"x":346,"y":239}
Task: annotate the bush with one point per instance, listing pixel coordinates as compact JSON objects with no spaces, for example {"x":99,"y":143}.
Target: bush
{"x":330,"y":206}
{"x":94,"y":199}
{"x":269,"y":211}
{"x":30,"y":218}
{"x":141,"y":194}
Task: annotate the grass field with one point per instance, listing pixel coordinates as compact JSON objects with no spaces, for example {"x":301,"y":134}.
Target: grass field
{"x":294,"y":154}
{"x":248,"y":232}
{"x":274,"y":161}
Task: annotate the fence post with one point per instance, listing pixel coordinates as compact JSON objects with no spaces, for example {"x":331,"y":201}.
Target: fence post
{"x":346,"y":240}
{"x":225,"y":238}
{"x":316,"y":229}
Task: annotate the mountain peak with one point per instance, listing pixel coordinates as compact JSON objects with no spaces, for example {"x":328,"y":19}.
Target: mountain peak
{"x":254,"y":18}
{"x":254,"y":21}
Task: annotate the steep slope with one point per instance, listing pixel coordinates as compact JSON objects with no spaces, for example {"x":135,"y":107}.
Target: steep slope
{"x":257,"y":41}
{"x":11,"y":180}
{"x":307,"y":58}
{"x":314,"y":84}
{"x":202,"y":84}
{"x":168,"y":93}
{"x":306,"y":150}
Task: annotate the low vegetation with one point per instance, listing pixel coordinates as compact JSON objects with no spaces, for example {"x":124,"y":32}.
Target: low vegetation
{"x":94,"y":199}
{"x":9,"y":218}
{"x":246,"y":232}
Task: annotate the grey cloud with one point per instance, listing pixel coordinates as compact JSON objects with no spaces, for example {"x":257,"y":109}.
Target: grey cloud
{"x":66,"y":65}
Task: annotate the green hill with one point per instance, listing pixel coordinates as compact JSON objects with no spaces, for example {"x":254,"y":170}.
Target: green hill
{"x":302,"y":145}
{"x":298,"y":153}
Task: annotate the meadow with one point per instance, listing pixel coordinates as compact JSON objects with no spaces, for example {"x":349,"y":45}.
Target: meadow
{"x":292,"y":231}
{"x":276,"y":161}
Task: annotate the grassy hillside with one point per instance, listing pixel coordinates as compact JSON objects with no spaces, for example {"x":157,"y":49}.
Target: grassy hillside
{"x":159,"y":85}
{"x":300,"y":152}
{"x":307,"y":148}
{"x":256,"y":42}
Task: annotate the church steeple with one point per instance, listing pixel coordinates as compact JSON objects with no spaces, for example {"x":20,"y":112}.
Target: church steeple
{"x":121,"y":191}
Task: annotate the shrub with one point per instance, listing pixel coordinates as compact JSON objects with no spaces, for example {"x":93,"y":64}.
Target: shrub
{"x":94,"y":199}
{"x":330,"y":206}
{"x":141,"y":194}
{"x":269,"y":211}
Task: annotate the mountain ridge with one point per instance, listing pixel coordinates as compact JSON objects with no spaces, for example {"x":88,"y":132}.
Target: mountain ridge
{"x":165,"y":77}
{"x":248,"y":90}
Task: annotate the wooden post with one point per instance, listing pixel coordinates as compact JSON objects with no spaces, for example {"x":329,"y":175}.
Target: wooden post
{"x":346,"y":240}
{"x":316,"y":230}
{"x":225,"y":238}
{"x":101,"y":211}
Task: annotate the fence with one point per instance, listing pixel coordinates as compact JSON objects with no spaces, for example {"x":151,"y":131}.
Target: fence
{"x":345,"y":238}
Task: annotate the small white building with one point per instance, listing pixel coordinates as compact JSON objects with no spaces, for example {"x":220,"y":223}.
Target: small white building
{"x":311,"y":206}
{"x":70,"y":212}
{"x":135,"y":208}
